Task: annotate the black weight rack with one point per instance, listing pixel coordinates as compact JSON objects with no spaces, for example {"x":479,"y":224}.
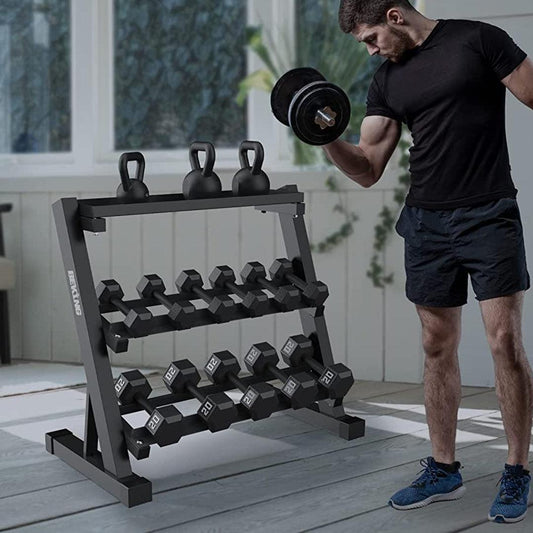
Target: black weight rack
{"x":102,"y":455}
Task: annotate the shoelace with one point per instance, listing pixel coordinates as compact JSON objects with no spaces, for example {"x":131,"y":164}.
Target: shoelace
{"x":511,"y":487}
{"x":430,"y":474}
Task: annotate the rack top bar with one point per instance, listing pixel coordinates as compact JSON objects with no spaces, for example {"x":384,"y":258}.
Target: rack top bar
{"x":166,"y":203}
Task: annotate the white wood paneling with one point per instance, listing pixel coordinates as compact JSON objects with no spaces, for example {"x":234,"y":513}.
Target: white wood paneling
{"x":12,"y":228}
{"x":403,"y":350}
{"x":365,"y":312}
{"x":325,"y":221}
{"x":35,"y":279}
{"x":477,"y":9}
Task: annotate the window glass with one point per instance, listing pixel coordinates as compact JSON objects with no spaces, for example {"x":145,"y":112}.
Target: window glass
{"x":177,"y":67}
{"x":35,"y":114}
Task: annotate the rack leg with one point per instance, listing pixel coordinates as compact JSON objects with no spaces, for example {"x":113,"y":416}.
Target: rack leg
{"x":130,"y":490}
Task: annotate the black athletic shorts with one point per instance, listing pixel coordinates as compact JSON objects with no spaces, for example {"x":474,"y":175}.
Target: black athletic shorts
{"x":442,"y":247}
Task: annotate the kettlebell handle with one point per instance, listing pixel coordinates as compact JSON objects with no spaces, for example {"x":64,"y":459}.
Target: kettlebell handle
{"x":259,"y":151}
{"x":209,"y":162}
{"x":123,"y":168}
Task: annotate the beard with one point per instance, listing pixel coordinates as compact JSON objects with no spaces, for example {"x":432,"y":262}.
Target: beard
{"x":402,"y":45}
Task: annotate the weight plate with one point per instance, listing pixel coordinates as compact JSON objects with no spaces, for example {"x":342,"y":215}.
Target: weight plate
{"x":287,"y":86}
{"x":304,"y":107}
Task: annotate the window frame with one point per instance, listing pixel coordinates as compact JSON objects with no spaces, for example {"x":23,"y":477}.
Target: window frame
{"x":92,"y":104}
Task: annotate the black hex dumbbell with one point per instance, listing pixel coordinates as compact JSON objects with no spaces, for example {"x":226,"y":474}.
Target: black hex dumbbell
{"x":299,"y":389}
{"x":221,"y":307}
{"x":180,"y":313}
{"x":217,"y":410}
{"x":164,"y":422}
{"x":314,"y":292}
{"x":337,"y":379}
{"x":137,"y":319}
{"x":255,"y":301}
{"x":286,"y":296}
{"x":260,"y":399}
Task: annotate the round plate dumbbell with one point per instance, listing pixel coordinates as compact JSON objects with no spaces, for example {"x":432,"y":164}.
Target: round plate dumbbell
{"x":164,"y":422}
{"x":217,"y":410}
{"x":299,"y":389}
{"x":260,"y":399}
{"x":317,"y":111}
{"x":337,"y":379}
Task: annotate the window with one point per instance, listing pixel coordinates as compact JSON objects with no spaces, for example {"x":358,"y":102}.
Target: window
{"x":177,"y":66}
{"x":35,"y":114}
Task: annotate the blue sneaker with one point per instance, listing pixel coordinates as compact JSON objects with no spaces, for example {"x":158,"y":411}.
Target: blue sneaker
{"x":434,"y":485}
{"x":510,"y":505}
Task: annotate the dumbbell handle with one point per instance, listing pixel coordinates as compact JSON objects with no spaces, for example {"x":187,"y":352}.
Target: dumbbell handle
{"x":144,"y":403}
{"x":314,"y":364}
{"x":202,"y":294}
{"x":234,"y":380}
{"x":120,"y":305}
{"x":267,"y":285}
{"x":161,"y":298}
{"x":276,"y":372}
{"x":296,"y":280}
{"x":235,"y":289}
{"x":195,"y":391}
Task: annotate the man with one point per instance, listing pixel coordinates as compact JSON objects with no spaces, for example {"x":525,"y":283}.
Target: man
{"x":447,"y":79}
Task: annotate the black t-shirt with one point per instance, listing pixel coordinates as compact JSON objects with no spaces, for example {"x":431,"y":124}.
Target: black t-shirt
{"x":448,"y":91}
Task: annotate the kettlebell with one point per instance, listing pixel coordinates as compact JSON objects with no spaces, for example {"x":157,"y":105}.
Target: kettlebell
{"x":201,"y":182}
{"x":132,"y":189}
{"x":250,"y":180}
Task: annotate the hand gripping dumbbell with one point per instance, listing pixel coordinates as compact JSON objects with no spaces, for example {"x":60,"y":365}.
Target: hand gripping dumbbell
{"x":255,"y":301}
{"x":217,"y":410}
{"x":221,"y":307}
{"x":299,"y":389}
{"x":164,"y":422}
{"x":137,"y":320}
{"x":260,"y":399}
{"x":314,"y":292}
{"x":286,"y":296}
{"x":317,"y":111}
{"x":180,"y":313}
{"x":337,"y":379}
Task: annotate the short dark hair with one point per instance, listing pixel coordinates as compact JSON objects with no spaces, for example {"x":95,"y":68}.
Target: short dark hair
{"x":371,"y":12}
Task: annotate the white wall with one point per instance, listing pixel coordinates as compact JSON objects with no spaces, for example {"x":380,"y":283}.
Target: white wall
{"x":516,"y":17}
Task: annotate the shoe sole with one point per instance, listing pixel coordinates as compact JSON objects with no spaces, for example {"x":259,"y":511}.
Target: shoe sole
{"x":500,"y":519}
{"x":447,"y":496}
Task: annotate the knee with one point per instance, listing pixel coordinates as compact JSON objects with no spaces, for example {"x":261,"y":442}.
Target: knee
{"x":505,"y":345}
{"x":439,"y":345}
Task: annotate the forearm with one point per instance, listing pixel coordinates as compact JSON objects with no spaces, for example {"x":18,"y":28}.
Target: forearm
{"x":351,"y":161}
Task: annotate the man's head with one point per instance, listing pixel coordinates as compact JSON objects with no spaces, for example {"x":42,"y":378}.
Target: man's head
{"x":380,"y":24}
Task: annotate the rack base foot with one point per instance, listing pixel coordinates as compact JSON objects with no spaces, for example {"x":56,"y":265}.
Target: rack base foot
{"x":346,"y":427}
{"x":132,"y":490}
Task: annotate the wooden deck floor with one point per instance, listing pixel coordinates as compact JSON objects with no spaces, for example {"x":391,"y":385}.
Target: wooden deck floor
{"x":277,"y":475}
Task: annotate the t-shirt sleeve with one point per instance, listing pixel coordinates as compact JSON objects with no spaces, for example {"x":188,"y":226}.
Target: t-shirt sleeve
{"x":501,"y":52}
{"x":376,"y":104}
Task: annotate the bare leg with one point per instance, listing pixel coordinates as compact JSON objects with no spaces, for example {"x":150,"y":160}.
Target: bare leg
{"x":441,"y":333}
{"x":502,"y":318}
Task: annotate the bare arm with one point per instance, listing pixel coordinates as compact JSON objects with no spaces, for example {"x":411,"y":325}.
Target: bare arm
{"x":366,"y":162}
{"x":520,"y":82}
